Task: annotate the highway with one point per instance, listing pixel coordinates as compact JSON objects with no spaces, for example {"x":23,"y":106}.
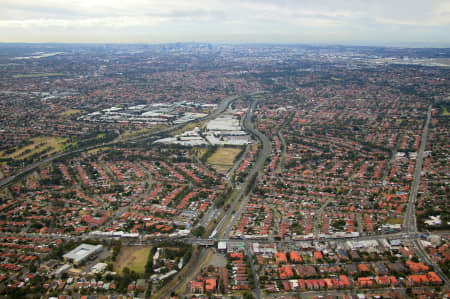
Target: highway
{"x":208,"y":241}
{"x":219,"y":228}
{"x":224,"y":226}
{"x":410,"y":224}
{"x":410,"y":218}
{"x":283,"y":142}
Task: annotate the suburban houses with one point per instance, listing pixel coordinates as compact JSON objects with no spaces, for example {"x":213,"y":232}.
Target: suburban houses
{"x":223,"y":171}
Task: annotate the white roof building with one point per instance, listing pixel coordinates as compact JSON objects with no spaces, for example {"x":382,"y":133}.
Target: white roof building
{"x":222,"y":246}
{"x":82,"y":253}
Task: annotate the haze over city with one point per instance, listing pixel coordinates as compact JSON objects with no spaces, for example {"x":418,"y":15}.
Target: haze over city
{"x":383,"y":22}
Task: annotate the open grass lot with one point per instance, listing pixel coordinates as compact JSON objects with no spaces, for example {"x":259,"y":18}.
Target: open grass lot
{"x":71,"y":112}
{"x":131,"y":134}
{"x":396,"y":220}
{"x":133,"y":257}
{"x":38,"y":144}
{"x":201,"y":151}
{"x":222,"y":160}
{"x":445,"y":112}
{"x":97,"y":150}
{"x":37,"y":75}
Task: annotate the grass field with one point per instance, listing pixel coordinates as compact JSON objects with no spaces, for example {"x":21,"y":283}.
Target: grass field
{"x":445,"y":112}
{"x":71,"y":112}
{"x":96,"y":150}
{"x":222,"y":160}
{"x":133,"y":257}
{"x":201,"y":151}
{"x":396,"y":220}
{"x":39,"y":144}
{"x":37,"y":75}
{"x":131,"y":134}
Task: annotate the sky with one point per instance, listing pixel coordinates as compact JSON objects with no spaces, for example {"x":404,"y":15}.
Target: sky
{"x":359,"y":22}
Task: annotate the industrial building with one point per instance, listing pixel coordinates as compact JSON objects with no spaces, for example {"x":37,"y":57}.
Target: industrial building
{"x":80,"y":254}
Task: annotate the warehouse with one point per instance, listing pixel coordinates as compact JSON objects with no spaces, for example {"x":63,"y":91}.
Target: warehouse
{"x":80,"y":254}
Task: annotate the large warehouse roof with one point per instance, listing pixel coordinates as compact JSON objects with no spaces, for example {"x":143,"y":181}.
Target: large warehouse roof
{"x":82,"y":252}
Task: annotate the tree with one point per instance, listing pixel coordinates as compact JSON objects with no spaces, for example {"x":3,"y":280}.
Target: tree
{"x":248,"y":295}
{"x":199,"y":231}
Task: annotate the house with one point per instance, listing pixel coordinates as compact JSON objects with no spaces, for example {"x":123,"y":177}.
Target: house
{"x":416,"y":267}
{"x":295,"y":257}
{"x":141,"y":285}
{"x":344,"y":281}
{"x":286,"y":285}
{"x":280,"y":258}
{"x":318,"y":255}
{"x":380,"y":269}
{"x":418,"y":280}
{"x":434,"y":278}
{"x":342,"y":255}
{"x":210,"y":285}
{"x":286,"y":272}
{"x":365,"y":282}
{"x":363,"y":268}
{"x":197,"y":287}
{"x":386,"y":280}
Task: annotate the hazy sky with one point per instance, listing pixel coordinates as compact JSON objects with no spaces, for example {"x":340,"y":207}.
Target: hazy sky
{"x":387,"y":22}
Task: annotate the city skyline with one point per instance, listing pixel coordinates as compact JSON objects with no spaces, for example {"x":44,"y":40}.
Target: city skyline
{"x":383,"y":23}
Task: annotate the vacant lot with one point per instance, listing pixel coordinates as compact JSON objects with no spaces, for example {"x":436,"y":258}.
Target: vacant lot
{"x":445,"y":112}
{"x":201,"y":151}
{"x":396,"y":220}
{"x":133,"y":257}
{"x":222,"y":160}
{"x":45,"y":145}
{"x":131,"y":134}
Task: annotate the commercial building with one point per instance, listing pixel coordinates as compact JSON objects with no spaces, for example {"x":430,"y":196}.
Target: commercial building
{"x":80,"y":254}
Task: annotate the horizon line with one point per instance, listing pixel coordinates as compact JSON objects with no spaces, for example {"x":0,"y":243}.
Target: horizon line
{"x":411,"y":45}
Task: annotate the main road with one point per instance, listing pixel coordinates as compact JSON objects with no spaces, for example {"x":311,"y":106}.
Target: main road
{"x":410,"y":224}
{"x":239,"y":203}
{"x":241,"y":199}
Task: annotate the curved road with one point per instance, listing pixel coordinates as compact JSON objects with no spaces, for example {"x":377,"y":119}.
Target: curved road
{"x":240,"y":202}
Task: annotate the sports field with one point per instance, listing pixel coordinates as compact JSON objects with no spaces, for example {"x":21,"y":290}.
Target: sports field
{"x":133,"y":257}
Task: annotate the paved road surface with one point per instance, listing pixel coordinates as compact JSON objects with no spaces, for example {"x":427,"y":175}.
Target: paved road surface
{"x":410,"y":218}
